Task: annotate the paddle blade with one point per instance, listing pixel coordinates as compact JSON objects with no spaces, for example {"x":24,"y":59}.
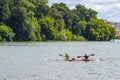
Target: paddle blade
{"x":78,"y":56}
{"x":60,"y":55}
{"x":92,"y":54}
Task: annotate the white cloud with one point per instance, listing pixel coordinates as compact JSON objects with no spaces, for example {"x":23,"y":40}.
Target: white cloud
{"x":107,"y":9}
{"x":104,"y":1}
{"x":110,"y":15}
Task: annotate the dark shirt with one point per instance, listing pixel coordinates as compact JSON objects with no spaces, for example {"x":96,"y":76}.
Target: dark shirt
{"x":86,"y":57}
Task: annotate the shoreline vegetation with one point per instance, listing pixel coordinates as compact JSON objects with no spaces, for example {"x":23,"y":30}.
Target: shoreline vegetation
{"x":54,"y":41}
{"x":34,"y":20}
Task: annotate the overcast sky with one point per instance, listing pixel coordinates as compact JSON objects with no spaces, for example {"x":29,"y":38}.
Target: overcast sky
{"x":107,"y":9}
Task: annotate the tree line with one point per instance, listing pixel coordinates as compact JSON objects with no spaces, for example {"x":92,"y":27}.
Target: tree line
{"x":34,"y":20}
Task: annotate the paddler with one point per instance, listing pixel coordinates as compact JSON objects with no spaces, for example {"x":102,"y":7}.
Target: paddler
{"x":86,"y":57}
{"x":67,"y":57}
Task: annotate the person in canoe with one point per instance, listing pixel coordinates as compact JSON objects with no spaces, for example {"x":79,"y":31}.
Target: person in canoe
{"x":84,"y":58}
{"x":67,"y":57}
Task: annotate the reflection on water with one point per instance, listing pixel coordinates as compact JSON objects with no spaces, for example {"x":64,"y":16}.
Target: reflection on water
{"x":41,"y":61}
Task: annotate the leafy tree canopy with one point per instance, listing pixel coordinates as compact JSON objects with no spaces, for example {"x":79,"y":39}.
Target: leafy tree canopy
{"x":34,"y":20}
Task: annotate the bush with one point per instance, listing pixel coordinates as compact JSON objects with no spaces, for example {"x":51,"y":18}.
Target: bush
{"x":6,"y":33}
{"x":78,"y":38}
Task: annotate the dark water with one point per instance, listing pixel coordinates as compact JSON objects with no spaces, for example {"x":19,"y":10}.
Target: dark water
{"x":40,"y":61}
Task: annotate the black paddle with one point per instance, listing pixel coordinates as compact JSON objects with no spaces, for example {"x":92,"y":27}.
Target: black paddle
{"x":92,"y":54}
{"x":61,"y":55}
{"x":88,"y":55}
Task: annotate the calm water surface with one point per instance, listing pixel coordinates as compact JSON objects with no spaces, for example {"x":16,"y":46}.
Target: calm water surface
{"x":40,"y":61}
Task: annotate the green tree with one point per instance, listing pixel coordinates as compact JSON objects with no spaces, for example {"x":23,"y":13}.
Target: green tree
{"x":80,"y":27}
{"x":33,"y":28}
{"x":37,"y":2}
{"x":84,"y":13}
{"x":65,"y":35}
{"x":6,"y":33}
{"x":62,"y":12}
{"x":41,"y":10}
{"x":25,"y":25}
{"x":48,"y":29}
{"x":98,"y":30}
{"x":4,"y":10}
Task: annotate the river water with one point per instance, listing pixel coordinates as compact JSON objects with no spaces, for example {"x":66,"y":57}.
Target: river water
{"x":41,"y":61}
